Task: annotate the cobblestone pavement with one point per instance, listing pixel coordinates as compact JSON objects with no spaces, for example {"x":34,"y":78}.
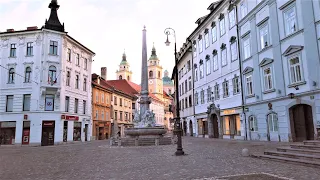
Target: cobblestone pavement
{"x":206,"y":159}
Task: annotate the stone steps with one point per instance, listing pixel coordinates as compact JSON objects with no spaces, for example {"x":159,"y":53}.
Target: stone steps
{"x":143,"y":141}
{"x":306,"y":153}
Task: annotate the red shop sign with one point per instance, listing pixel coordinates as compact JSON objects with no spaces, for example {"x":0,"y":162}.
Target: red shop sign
{"x":72,"y":118}
{"x":25,"y":117}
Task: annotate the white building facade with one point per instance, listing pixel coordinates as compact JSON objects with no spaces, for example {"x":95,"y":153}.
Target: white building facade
{"x":217,"y":86}
{"x":185,"y":75}
{"x":280,"y":59}
{"x":45,"y":86}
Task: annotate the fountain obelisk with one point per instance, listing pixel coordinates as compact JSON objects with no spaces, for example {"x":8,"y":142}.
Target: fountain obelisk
{"x":144,"y":100}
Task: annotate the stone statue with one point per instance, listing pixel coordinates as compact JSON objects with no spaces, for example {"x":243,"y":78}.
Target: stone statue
{"x":146,"y":120}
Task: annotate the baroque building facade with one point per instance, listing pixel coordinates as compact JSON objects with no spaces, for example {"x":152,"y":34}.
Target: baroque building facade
{"x":45,"y":91}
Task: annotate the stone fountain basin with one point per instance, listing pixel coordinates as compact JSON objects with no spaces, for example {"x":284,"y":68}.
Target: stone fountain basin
{"x":147,"y":131}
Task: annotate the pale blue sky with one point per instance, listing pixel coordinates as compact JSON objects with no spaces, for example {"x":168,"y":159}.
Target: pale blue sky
{"x":109,"y":26}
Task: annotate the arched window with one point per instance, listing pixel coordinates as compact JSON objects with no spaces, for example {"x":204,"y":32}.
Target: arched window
{"x":120,"y":77}
{"x":150,"y":74}
{"x":158,"y":74}
{"x":128,"y":78}
{"x":52,"y":74}
{"x":85,"y":84}
{"x":253,"y":123}
{"x":11,"y":75}
{"x":77,"y":82}
{"x":68,"y":78}
{"x":272,"y":119}
{"x":27,"y":77}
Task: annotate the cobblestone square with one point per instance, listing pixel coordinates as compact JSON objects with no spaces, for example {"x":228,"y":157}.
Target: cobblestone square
{"x":205,"y":159}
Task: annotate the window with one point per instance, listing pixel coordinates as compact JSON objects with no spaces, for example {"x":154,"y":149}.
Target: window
{"x":246,"y":48}
{"x":159,"y":75}
{"x":235,"y":84}
{"x":267,"y":78}
{"x":222,"y":26}
{"x":189,"y":66}
{"x":206,"y":39}
{"x":102,"y":115}
{"x":182,"y":104}
{"x":196,"y":98}
{"x":115,"y":115}
{"x":215,"y":62}
{"x":76,"y":104}
{"x":234,"y":51}
{"x":253,"y":124}
{"x":27,"y":77}
{"x":9,"y":103}
{"x":232,"y":18}
{"x":225,"y":85}
{"x":209,"y":94}
{"x":78,"y":59}
{"x":202,"y":96}
{"x":243,"y":9}
{"x":150,"y":74}
{"x":201,"y":69}
{"x":53,"y":48}
{"x":214,"y":33}
{"x":13,"y":50}
{"x":49,"y":103}
{"x":68,"y":79}
{"x":208,"y":65}
{"x":29,"y":49}
{"x":290,"y":20}
{"x":264,"y":37}
{"x":216,"y":92}
{"x":120,"y":115}
{"x":295,"y":69}
{"x":272,"y":122}
{"x":186,"y":103}
{"x":249,"y":85}
{"x":186,"y":86}
{"x":11,"y":75}
{"x":195,"y":73}
{"x":102,"y":98}
{"x":85,"y":64}
{"x":200,"y":45}
{"x":194,"y":49}
{"x":77,"y":82}
{"x":67,"y":103}
{"x":190,"y":101}
{"x":52,"y":74}
{"x":69,"y":55}
{"x":182,"y":88}
{"x":26,"y":102}
{"x":120,"y":101}
{"x":85,"y":84}
{"x":224,"y":57}
{"x":190,"y":85}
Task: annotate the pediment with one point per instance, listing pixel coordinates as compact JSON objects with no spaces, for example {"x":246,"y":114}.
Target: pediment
{"x":214,"y":52}
{"x":232,"y":39}
{"x":247,"y":70}
{"x":213,"y":24}
{"x":292,"y":49}
{"x":207,"y":57}
{"x":221,"y":16}
{"x":265,"y":62}
{"x":195,"y":65}
{"x":201,"y":61}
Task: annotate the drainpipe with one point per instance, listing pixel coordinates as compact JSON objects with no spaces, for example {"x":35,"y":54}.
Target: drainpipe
{"x":241,"y":77}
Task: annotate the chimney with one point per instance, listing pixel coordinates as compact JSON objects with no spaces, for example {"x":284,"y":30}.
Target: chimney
{"x":10,"y":30}
{"x":32,"y":28}
{"x":104,"y":73}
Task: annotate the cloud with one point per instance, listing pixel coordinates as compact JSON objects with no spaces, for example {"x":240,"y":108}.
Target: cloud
{"x":109,"y":26}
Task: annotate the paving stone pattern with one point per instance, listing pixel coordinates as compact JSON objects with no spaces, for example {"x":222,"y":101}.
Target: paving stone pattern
{"x":206,"y":159}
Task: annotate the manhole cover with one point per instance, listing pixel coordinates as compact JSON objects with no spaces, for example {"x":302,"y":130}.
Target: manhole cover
{"x":254,"y":176}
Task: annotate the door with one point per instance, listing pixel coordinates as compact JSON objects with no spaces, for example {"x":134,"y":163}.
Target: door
{"x":301,"y":119}
{"x":86,"y":132}
{"x":215,"y":125}
{"x":190,"y":128}
{"x":47,"y":138}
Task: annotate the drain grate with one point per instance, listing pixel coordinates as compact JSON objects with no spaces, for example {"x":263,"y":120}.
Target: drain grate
{"x":253,"y":176}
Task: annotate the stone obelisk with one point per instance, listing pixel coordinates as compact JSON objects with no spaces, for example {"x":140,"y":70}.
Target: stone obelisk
{"x":144,"y":100}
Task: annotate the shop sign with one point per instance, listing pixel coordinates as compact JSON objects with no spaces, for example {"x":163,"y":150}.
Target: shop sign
{"x":229,"y":111}
{"x":8,"y":124}
{"x":72,"y":118}
{"x":48,"y":123}
{"x":25,"y":117}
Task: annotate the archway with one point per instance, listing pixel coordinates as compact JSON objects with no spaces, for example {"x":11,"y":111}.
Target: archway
{"x":190,"y":128}
{"x":301,"y":122}
{"x":215,"y":125}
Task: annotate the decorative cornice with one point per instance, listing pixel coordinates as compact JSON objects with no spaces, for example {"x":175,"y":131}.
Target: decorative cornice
{"x":265,"y":62}
{"x":247,"y":70}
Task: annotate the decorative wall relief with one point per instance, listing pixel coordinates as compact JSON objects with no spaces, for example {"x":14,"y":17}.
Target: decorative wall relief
{"x":21,"y":40}
{"x":39,"y":40}
{"x":65,"y":43}
{"x":5,"y":42}
{"x":37,"y":73}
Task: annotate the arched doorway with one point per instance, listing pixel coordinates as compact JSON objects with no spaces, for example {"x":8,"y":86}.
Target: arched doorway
{"x":301,"y":122}
{"x":215,"y":126}
{"x":190,"y":128}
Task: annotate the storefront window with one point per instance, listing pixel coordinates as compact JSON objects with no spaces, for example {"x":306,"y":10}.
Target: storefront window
{"x":232,"y":125}
{"x":77,"y":131}
{"x":7,"y":132}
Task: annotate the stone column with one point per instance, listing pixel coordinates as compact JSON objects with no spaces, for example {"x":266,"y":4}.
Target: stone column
{"x":210,"y":125}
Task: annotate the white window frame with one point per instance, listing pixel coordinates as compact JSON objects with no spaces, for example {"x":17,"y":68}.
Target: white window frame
{"x":214,"y":33}
{"x":200,"y":42}
{"x":224,"y":57}
{"x":26,"y":102}
{"x":264,"y":30}
{"x":234,"y":51}
{"x":297,"y":55}
{"x":225,"y":86}
{"x":232,"y":18}
{"x":273,"y":124}
{"x":9,"y":103}
{"x":253,"y":123}
{"x":246,"y":47}
{"x":266,"y":78}
{"x":243,"y":9}
{"x":287,"y":28}
{"x":201,"y":70}
{"x":217,"y":92}
{"x":208,"y":66}
{"x":215,"y":62}
{"x":195,"y":49}
{"x":249,"y":84}
{"x":236,"y":85}
{"x":222,"y":26}
{"x":206,"y":40}
{"x":202,"y":96}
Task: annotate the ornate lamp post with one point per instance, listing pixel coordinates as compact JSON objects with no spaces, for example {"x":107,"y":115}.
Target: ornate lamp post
{"x":177,"y":129}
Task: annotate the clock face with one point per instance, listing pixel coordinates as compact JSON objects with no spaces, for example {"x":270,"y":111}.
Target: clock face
{"x":150,"y":82}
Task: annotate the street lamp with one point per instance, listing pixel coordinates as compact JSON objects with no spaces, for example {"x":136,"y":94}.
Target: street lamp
{"x":177,"y":126}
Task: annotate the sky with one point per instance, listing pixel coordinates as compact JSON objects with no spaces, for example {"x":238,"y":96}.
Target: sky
{"x":108,"y":27}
